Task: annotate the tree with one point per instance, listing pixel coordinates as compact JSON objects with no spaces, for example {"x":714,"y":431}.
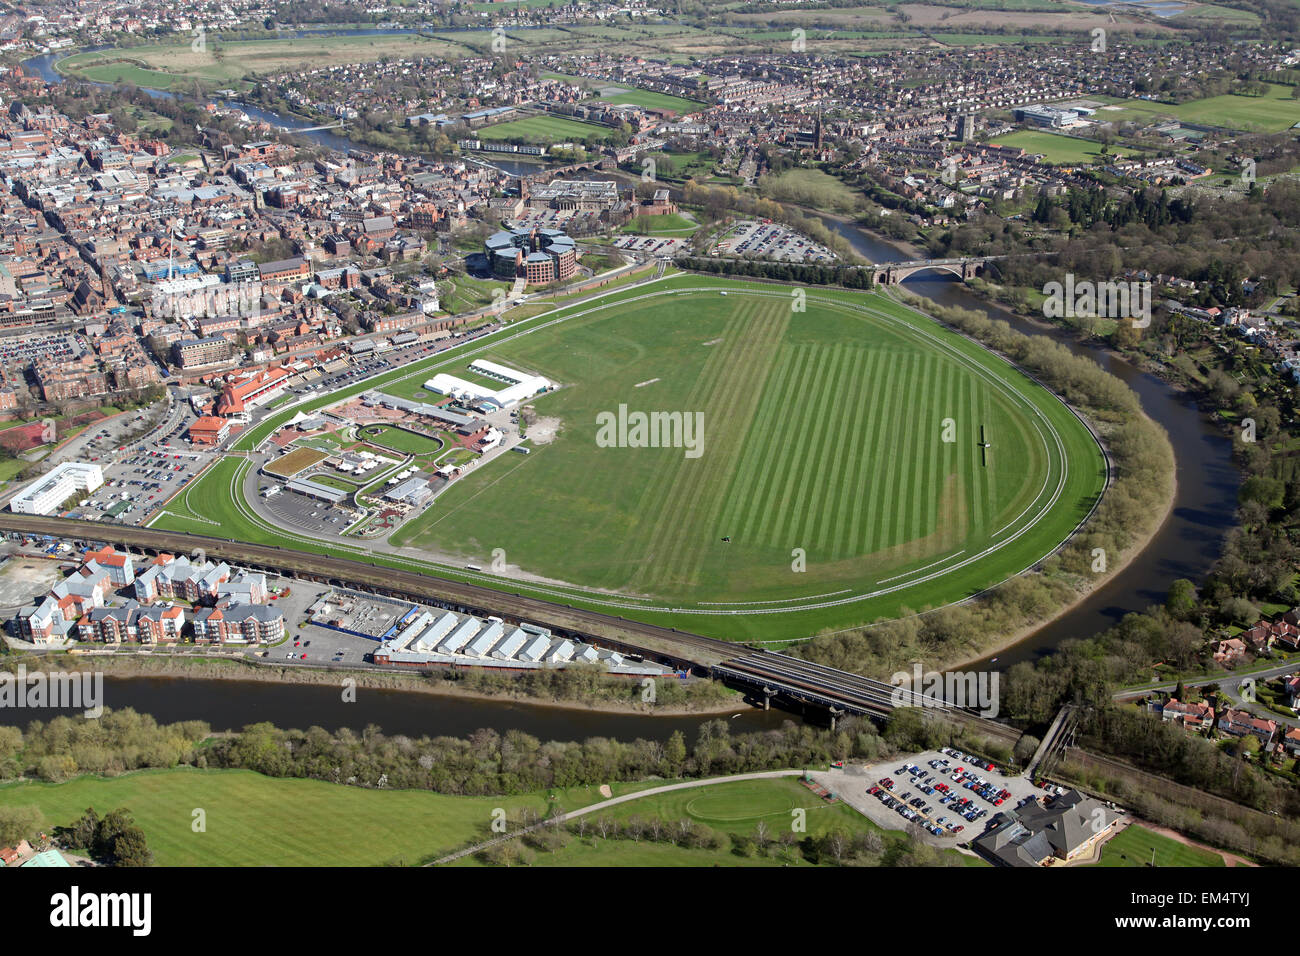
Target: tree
{"x":130,"y":848}
{"x":19,"y":823}
{"x":82,"y":834}
{"x":675,"y":752}
{"x":1181,"y":601}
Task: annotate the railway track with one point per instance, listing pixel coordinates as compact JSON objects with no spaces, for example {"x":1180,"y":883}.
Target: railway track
{"x":767,"y":675}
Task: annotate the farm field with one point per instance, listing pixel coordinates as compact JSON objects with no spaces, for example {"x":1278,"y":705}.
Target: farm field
{"x":1133,"y":846}
{"x":809,"y":444}
{"x":1273,"y":112}
{"x":254,"y":820}
{"x":177,"y":65}
{"x":1059,"y":150}
{"x":545,"y":129}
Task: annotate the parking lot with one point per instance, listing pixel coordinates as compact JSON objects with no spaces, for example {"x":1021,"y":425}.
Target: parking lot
{"x":137,"y":485}
{"x":949,"y":795}
{"x":22,"y":349}
{"x":767,"y":240}
{"x":651,"y":245}
{"x":297,"y":510}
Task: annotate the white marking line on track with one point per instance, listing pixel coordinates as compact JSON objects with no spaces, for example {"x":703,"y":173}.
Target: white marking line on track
{"x":926,"y":568}
{"x":810,"y":597}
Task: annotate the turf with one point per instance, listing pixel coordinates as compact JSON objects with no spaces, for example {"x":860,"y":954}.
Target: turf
{"x":730,"y":810}
{"x":1060,"y":150}
{"x":1132,"y":846}
{"x":653,"y":101}
{"x":673,"y":224}
{"x":1273,"y":112}
{"x":399,"y":440}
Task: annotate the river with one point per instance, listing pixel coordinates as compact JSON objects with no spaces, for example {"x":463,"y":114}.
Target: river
{"x":1186,"y":546}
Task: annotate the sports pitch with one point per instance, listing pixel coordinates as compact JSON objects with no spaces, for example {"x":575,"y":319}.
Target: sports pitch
{"x":825,"y":480}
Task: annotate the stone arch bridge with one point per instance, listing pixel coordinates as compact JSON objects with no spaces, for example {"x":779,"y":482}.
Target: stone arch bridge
{"x":892,"y":273}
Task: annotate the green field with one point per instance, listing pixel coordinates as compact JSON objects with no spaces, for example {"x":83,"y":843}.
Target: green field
{"x":811,"y":187}
{"x":1060,"y":150}
{"x":399,"y":440}
{"x":254,"y":820}
{"x":329,"y":481}
{"x":653,"y":101}
{"x":545,"y":129}
{"x":671,"y":225}
{"x":1273,"y":112}
{"x":1133,"y":845}
{"x":178,"y":65}
{"x":731,"y":810}
{"x":822,"y":433}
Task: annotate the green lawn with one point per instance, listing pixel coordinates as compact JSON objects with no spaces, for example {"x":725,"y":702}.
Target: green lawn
{"x":653,"y":101}
{"x":730,"y":810}
{"x":10,"y":467}
{"x":1060,"y":150}
{"x":672,"y":225}
{"x":329,"y":481}
{"x":1132,"y":846}
{"x":545,"y":129}
{"x":399,"y":440}
{"x":254,"y":820}
{"x":1273,"y":112}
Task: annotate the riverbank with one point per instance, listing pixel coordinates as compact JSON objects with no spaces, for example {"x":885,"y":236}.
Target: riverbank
{"x":990,"y":653}
{"x":207,"y":668}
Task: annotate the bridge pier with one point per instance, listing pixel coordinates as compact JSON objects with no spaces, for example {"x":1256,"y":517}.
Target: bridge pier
{"x":835,"y":712}
{"x":768,"y":694}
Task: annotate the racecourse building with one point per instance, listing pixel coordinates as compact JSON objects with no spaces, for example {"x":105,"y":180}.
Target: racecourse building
{"x":537,"y":256}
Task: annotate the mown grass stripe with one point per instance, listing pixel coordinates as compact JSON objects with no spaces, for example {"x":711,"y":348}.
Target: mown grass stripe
{"x":892,"y":435}
{"x":775,"y":448}
{"x":805,"y":504}
{"x":729,"y":400}
{"x":847,"y":463}
{"x":777,"y":531}
{"x":861,"y":535}
{"x":756,"y":463}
